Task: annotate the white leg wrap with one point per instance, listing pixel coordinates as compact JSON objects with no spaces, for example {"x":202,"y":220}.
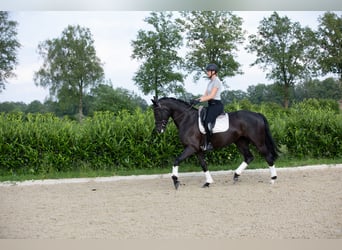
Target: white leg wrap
{"x":175,"y":171}
{"x":273,"y":171}
{"x":242,"y":167}
{"x":208,"y":177}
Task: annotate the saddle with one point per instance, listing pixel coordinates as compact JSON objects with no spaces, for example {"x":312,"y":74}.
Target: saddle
{"x":221,"y":124}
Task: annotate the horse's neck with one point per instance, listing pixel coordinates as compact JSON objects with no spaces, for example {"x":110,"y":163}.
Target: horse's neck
{"x":180,"y":115}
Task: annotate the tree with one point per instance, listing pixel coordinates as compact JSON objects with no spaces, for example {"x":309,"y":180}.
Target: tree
{"x":284,"y":49}
{"x":212,"y":37}
{"x":8,"y":107}
{"x":53,"y":106}
{"x":233,"y":95}
{"x":70,"y":65}
{"x":326,"y":89}
{"x":8,"y":48}
{"x":265,"y":93}
{"x":329,"y":36}
{"x":257,"y":93}
{"x":35,"y":107}
{"x":186,"y":96}
{"x":158,"y":51}
{"x":106,"y":98}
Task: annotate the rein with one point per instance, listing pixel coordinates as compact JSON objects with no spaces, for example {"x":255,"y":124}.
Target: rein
{"x":164,"y":122}
{"x":184,"y":111}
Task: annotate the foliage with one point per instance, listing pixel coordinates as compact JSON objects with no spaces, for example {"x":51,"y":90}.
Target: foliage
{"x":36,"y":107}
{"x":212,"y":37}
{"x":8,"y":48}
{"x":158,"y":50}
{"x":330,"y":43}
{"x":101,"y":98}
{"x":36,"y":143}
{"x":43,"y":143}
{"x":229,"y":96}
{"x":106,"y":98}
{"x":326,"y":89}
{"x":284,"y":49}
{"x":260,"y":93}
{"x":314,"y":129}
{"x":8,"y":107}
{"x":311,"y":88}
{"x":70,"y":66}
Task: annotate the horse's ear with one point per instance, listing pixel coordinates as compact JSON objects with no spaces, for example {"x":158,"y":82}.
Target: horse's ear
{"x":155,"y":101}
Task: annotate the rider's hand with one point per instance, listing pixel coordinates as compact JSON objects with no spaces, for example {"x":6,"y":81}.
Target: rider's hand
{"x":194,"y":102}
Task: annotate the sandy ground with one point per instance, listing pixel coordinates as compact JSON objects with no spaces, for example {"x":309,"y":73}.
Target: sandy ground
{"x":304,"y":203}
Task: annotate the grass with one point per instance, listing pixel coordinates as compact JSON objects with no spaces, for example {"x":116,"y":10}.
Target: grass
{"x":88,"y":173}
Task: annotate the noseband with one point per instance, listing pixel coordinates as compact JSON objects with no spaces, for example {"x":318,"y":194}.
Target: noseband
{"x":162,"y":124}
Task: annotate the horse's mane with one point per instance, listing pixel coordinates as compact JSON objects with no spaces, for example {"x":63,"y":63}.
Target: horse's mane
{"x":188,"y":105}
{"x":175,"y":99}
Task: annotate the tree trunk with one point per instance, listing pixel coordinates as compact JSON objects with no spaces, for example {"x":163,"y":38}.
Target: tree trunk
{"x":156,"y":86}
{"x":80,"y":106}
{"x":286,"y":95}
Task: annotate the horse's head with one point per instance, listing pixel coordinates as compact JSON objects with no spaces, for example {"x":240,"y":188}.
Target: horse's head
{"x":161,"y":115}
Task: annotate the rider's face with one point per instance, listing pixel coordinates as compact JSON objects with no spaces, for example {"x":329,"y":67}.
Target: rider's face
{"x":210,"y":73}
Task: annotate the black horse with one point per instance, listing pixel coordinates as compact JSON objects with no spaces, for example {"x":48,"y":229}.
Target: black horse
{"x":245,"y":127}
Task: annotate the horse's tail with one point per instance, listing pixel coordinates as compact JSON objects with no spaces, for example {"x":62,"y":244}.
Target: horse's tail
{"x":270,"y":144}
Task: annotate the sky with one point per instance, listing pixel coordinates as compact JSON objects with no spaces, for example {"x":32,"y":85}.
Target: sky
{"x":113,"y":32}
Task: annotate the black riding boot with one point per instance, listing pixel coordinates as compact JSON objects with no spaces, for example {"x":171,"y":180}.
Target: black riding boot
{"x":207,"y":144}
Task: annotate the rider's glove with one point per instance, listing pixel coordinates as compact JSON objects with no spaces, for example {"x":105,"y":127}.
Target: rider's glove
{"x":194,"y":102}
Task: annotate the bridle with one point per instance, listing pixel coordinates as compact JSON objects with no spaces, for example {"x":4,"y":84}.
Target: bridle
{"x":164,"y":122}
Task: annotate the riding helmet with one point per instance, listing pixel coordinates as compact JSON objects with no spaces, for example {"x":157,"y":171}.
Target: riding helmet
{"x":212,"y":67}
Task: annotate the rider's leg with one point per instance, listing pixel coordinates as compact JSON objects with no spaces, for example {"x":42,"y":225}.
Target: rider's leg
{"x":213,"y":111}
{"x":207,"y":143}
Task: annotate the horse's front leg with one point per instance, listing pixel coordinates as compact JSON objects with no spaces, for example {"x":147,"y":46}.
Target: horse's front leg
{"x":187,"y":152}
{"x":208,"y":177}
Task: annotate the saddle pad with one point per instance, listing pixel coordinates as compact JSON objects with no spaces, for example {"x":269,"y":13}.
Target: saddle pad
{"x":221,"y":124}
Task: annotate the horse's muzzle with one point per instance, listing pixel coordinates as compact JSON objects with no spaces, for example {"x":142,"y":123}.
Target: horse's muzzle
{"x":161,"y":126}
{"x":160,"y":130}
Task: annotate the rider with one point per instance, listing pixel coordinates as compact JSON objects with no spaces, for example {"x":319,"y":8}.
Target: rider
{"x":215,"y":106}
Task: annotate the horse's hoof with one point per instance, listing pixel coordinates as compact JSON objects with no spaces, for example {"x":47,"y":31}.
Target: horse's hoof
{"x":206,"y":185}
{"x":272,"y":181}
{"x":176,"y":182}
{"x":236,"y":177}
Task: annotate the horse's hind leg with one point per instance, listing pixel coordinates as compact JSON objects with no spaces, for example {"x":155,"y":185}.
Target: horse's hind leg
{"x":269,"y":158}
{"x":271,"y":166}
{"x":243,"y":146}
{"x":174,"y":177}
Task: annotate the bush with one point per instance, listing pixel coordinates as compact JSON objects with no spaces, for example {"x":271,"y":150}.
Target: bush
{"x":43,"y":143}
{"x":313,"y":130}
{"x":124,"y":141}
{"x":34,"y":143}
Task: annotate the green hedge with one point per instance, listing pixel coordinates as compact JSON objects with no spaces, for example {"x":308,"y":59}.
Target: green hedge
{"x":43,"y":143}
{"x":313,"y":129}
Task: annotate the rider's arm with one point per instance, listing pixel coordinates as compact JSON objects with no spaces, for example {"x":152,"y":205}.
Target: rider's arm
{"x":207,"y":97}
